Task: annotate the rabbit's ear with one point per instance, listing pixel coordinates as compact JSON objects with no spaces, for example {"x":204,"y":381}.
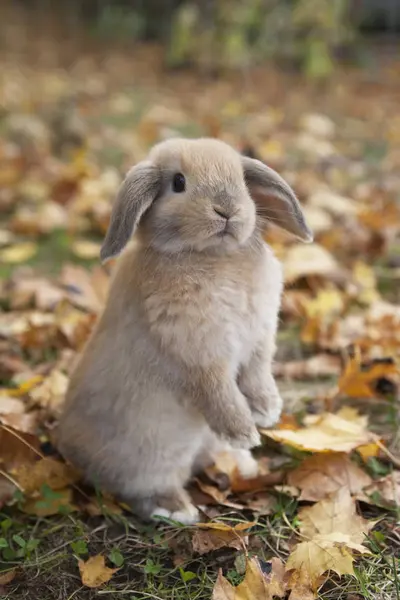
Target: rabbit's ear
{"x":140,"y":187}
{"x":274,"y":198}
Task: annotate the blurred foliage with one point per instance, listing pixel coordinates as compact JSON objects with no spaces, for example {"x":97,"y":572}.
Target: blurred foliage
{"x":221,"y":34}
{"x":305,"y":33}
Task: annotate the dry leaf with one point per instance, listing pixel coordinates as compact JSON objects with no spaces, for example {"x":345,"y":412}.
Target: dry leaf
{"x":323,"y":474}
{"x":383,"y":492}
{"x":256,"y":584}
{"x":335,"y":519}
{"x":317,"y":557}
{"x":7,"y":576}
{"x":320,"y":365}
{"x":303,"y":261}
{"x":94,"y":571}
{"x":51,"y":393}
{"x":55,"y":474}
{"x":358,"y":379}
{"x":19,"y":253}
{"x":326,"y":433}
{"x":86,"y":249}
{"x":334,"y":531}
{"x":49,"y":502}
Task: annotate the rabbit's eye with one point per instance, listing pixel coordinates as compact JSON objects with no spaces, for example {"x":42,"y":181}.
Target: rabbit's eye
{"x":178,"y":183}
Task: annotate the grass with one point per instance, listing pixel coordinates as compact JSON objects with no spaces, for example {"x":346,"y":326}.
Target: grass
{"x":157,"y":561}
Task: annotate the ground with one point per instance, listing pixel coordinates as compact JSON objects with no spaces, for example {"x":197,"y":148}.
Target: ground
{"x":67,"y":137}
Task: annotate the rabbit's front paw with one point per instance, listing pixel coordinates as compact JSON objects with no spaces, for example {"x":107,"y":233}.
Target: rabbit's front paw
{"x":246,"y":440}
{"x":268,"y":417}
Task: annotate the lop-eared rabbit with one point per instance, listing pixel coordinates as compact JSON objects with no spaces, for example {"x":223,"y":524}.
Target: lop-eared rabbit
{"x":179,"y":364}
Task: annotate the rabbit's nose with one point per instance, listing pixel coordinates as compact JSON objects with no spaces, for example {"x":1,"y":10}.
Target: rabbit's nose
{"x":221,"y":212}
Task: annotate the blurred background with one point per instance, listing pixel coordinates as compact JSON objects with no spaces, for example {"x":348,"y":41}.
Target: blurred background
{"x":311,"y":87}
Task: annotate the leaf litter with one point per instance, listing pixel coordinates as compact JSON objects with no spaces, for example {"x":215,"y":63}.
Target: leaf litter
{"x":341,"y":302}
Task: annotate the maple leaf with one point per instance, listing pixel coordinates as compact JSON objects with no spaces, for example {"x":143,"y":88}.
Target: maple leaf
{"x":322,"y":474}
{"x":94,"y":572}
{"x":358,"y":379}
{"x":256,"y":584}
{"x":383,"y":492}
{"x":334,"y":531}
{"x":212,"y":536}
{"x":340,"y":432}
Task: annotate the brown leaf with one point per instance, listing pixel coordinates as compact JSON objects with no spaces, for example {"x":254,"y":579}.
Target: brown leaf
{"x":7,"y":576}
{"x":323,"y":474}
{"x":41,"y":505}
{"x":387,"y":489}
{"x":212,"y":536}
{"x":94,"y":572}
{"x":255,"y":586}
{"x":55,"y":474}
{"x":17,"y":448}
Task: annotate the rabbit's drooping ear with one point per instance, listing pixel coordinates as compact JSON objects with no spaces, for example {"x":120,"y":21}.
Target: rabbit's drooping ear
{"x":274,"y":198}
{"x":140,"y":187}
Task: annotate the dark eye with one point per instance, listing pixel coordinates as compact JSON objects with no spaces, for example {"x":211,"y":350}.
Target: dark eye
{"x":178,"y":183}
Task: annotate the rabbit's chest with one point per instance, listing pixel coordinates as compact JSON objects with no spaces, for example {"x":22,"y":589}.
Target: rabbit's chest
{"x":245,"y":311}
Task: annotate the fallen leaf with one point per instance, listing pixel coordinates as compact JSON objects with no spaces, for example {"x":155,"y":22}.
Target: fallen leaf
{"x":19,"y":253}
{"x":51,"y":393}
{"x":49,"y":502}
{"x":256,"y":585}
{"x":326,"y":433}
{"x":17,"y":448}
{"x":7,"y":576}
{"x":94,"y":572}
{"x":55,"y":474}
{"x":323,"y":474}
{"x":383,"y":492}
{"x":86,"y":249}
{"x":359,"y":379}
{"x":320,"y":365}
{"x":303,"y":261}
{"x":336,"y":519}
{"x":316,"y":557}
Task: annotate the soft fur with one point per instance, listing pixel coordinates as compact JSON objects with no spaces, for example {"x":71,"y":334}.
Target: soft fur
{"x":179,"y":365}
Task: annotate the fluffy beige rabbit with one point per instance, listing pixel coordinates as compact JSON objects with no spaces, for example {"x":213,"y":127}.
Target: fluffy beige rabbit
{"x":179,"y":365}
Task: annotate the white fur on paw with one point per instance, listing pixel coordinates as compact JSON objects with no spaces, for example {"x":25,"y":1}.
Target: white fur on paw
{"x":246,"y":463}
{"x":268,"y":418}
{"x":246,"y":443}
{"x":186,"y":516}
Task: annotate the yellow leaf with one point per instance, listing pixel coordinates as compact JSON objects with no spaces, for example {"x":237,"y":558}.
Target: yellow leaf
{"x":318,"y":556}
{"x":44,"y":506}
{"x":55,"y":474}
{"x":255,"y":586}
{"x":18,"y":253}
{"x":358,"y":379}
{"x":328,"y":301}
{"x":25,"y":387}
{"x":86,"y":249}
{"x":326,"y":433}
{"x":368,"y":451}
{"x":335,"y":516}
{"x":94,"y":571}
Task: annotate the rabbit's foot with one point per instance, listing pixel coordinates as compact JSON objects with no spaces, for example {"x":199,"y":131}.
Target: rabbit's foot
{"x":174,"y":505}
{"x":246,"y":441}
{"x":246,"y":463}
{"x":186,"y":516}
{"x":269,"y":416}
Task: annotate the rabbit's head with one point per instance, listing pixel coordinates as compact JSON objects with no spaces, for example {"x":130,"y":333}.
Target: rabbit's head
{"x":200,"y":194}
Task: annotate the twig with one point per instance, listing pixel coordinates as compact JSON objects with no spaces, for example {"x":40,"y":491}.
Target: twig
{"x":393,"y":458}
{"x":11,"y":480}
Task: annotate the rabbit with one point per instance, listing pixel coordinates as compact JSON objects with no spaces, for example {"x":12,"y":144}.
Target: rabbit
{"x":178,"y":366}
